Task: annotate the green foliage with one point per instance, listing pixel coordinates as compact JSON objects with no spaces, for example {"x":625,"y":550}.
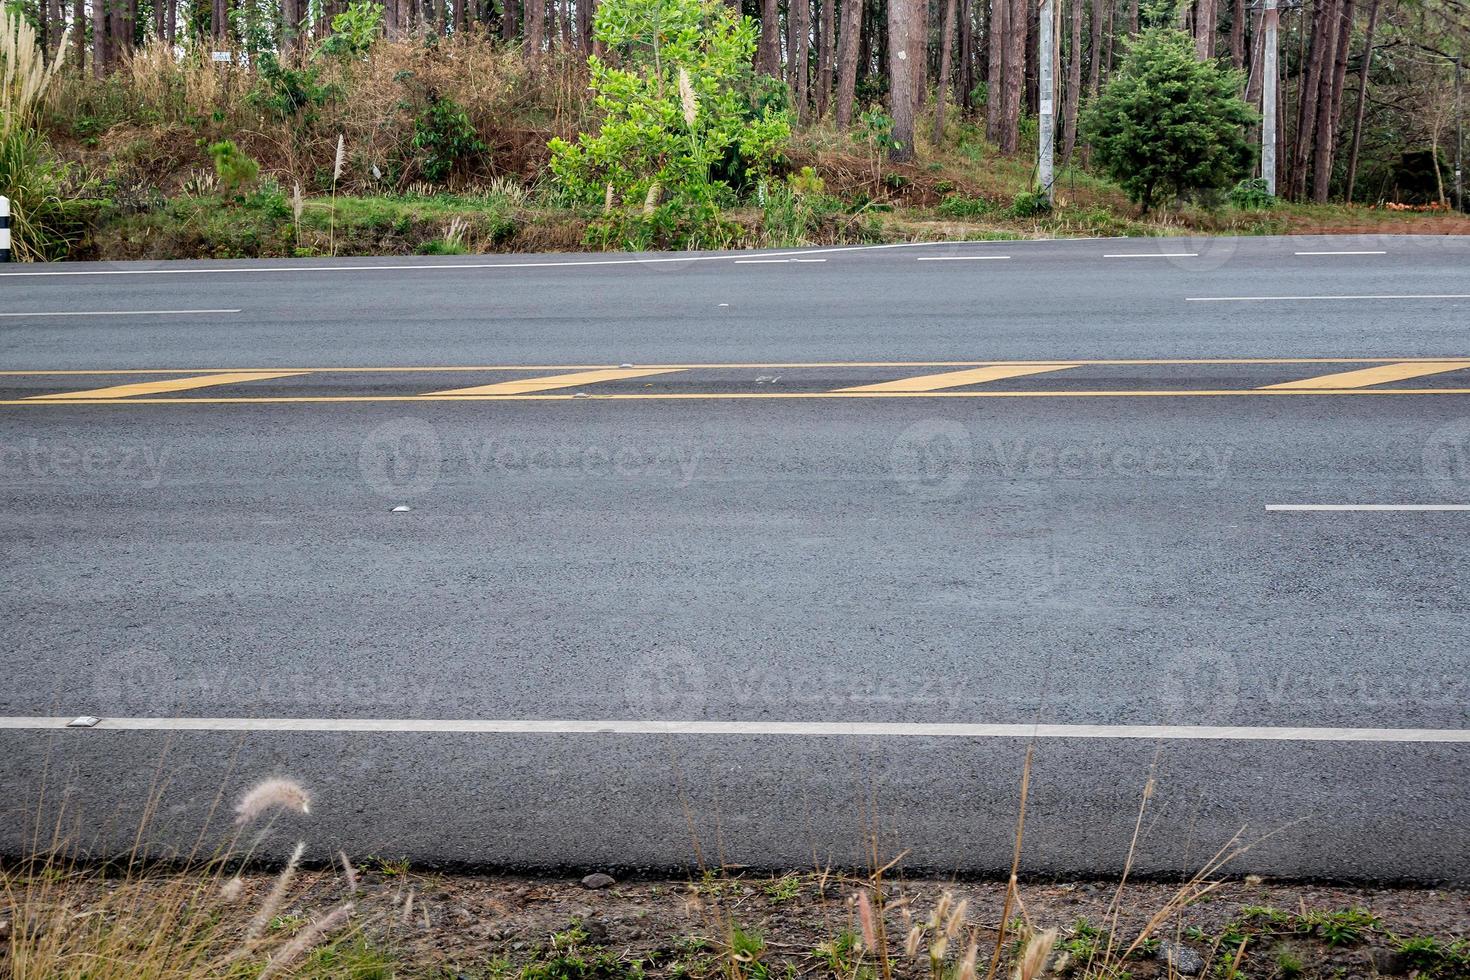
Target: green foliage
{"x":237,"y":171}
{"x":959,"y":206}
{"x":875,"y":128}
{"x":808,"y":181}
{"x":1251,"y":195}
{"x":46,"y":219}
{"x":1167,"y":123}
{"x":1029,"y":204}
{"x":1346,"y":927}
{"x":687,"y":127}
{"x":354,"y":31}
{"x":444,"y":140}
{"x":1289,"y":966}
{"x":290,"y":92}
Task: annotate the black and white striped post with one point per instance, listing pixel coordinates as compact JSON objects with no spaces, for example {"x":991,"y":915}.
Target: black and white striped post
{"x":4,"y":228}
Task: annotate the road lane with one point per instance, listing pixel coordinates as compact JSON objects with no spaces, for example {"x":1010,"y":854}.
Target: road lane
{"x":1090,"y":561}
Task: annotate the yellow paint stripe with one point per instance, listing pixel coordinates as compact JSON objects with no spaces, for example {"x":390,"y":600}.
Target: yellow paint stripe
{"x":526,"y":385}
{"x":736,"y":395}
{"x":955,"y":379}
{"x":430,"y":369}
{"x":1373,"y":375}
{"x":170,"y":384}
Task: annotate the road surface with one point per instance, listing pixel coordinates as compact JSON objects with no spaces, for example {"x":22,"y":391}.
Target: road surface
{"x":756,"y":557}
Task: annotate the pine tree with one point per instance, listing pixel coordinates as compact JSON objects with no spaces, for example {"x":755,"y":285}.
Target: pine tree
{"x":1168,"y":123}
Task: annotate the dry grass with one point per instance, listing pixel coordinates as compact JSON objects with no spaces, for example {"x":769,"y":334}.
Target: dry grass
{"x":184,"y":918}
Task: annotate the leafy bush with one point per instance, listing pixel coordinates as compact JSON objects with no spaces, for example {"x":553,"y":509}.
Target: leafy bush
{"x":958,"y":206}
{"x":354,"y":31}
{"x":1252,"y":195}
{"x":237,"y":171}
{"x":1168,"y":123}
{"x":686,"y":125}
{"x":1029,"y":204}
{"x":290,"y":92}
{"x":444,"y":140}
{"x":45,"y":218}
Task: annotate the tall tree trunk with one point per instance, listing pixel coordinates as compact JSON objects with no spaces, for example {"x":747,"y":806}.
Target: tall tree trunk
{"x":847,"y":59}
{"x":510,"y":21}
{"x":535,"y":28}
{"x":1204,"y":29}
{"x":826,"y":55}
{"x":1094,"y":48}
{"x":1327,"y":134}
{"x":1352,"y":169}
{"x":902,"y":50}
{"x":79,"y":33}
{"x":1237,"y":34}
{"x":966,"y":80}
{"x":1073,"y":94}
{"x":585,"y":14}
{"x":799,"y":13}
{"x":1132,"y":17}
{"x":1013,"y":76}
{"x":919,"y":52}
{"x":995,"y":74}
{"x":1324,"y":129}
{"x":1311,"y":83}
{"x":768,"y":52}
{"x":944,"y":67}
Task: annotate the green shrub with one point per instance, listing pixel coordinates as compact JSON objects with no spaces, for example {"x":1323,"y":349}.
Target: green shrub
{"x":1167,"y":123}
{"x":1252,"y":195}
{"x":687,"y":127}
{"x":958,"y":206}
{"x":444,"y":140}
{"x":354,"y":31}
{"x":237,"y":171}
{"x":46,"y":219}
{"x":1029,"y":204}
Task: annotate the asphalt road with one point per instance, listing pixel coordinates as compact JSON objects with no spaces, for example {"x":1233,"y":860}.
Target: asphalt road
{"x":721,"y":598}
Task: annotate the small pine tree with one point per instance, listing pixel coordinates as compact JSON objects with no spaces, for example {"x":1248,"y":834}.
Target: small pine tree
{"x":1168,"y":123}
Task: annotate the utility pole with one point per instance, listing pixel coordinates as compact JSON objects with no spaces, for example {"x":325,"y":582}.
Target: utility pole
{"x":1046,"y":148}
{"x":1270,"y":19}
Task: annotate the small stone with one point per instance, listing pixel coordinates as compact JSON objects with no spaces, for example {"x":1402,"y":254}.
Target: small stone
{"x":402,"y":509}
{"x":596,"y":931}
{"x":598,"y":880}
{"x":1183,"y":959}
{"x":1388,"y":962}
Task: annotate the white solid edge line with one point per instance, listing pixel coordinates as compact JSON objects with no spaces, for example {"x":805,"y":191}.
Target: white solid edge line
{"x":119,"y":313}
{"x":1345,"y":252}
{"x":960,"y":258}
{"x":1153,"y":255}
{"x":753,"y":728}
{"x":1257,"y":299}
{"x":440,"y":266}
{"x":1374,"y":507}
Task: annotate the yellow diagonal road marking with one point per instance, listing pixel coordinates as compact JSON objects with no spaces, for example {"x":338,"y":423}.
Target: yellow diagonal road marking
{"x":1375,"y":375}
{"x":170,"y":384}
{"x":954,"y":379}
{"x":525,"y":385}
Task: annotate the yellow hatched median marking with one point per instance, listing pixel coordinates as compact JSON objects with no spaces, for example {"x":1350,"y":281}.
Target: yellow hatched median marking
{"x":954,"y":379}
{"x":170,"y":384}
{"x":523,"y":386}
{"x":1373,"y":376}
